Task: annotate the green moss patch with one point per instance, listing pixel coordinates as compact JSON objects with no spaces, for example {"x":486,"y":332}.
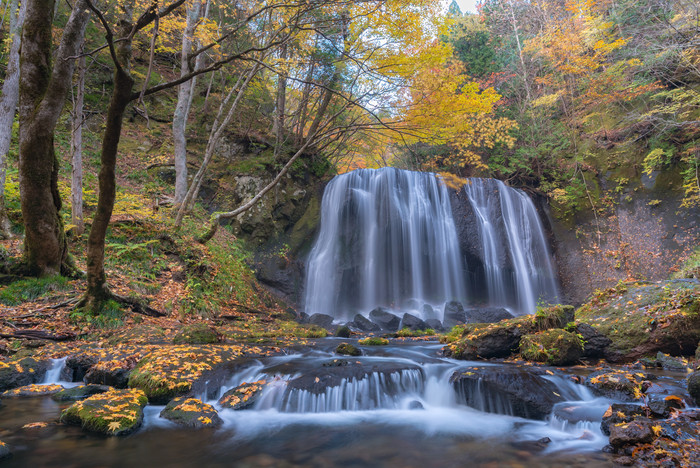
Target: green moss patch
{"x":554,"y":347}
{"x":117,"y":412}
{"x":374,"y":341}
{"x":191,"y":412}
{"x":197,"y":333}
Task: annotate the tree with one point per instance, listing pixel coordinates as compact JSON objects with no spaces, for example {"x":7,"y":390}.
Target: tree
{"x":8,"y":104}
{"x":42,"y":97}
{"x":76,"y":146}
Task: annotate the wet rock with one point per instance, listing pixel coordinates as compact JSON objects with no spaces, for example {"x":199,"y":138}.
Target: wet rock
{"x":694,"y":386}
{"x":661,"y":405}
{"x":671,"y":363}
{"x":318,"y":380}
{"x":343,"y":332}
{"x":21,"y":372}
{"x":617,"y":384}
{"x":191,"y":412}
{"x":558,"y":316}
{"x":454,"y":314}
{"x":415,"y":405}
{"x":114,"y":372}
{"x":595,"y":343}
{"x":97,"y":414}
{"x":429,"y":312}
{"x":80,"y":392}
{"x":434,"y":324}
{"x":486,"y":341}
{"x":506,"y":390}
{"x":197,"y":333}
{"x":33,"y":390}
{"x":373,"y":341}
{"x":4,"y":450}
{"x":533,"y":445}
{"x":348,"y":350}
{"x":364,"y":324}
{"x":624,"y":460}
{"x":244,"y":396}
{"x":555,"y":347}
{"x":77,"y":365}
{"x":487,"y":315}
{"x":631,"y":433}
{"x":619,"y":413}
{"x":385,"y":319}
{"x":321,"y":320}
{"x":412,"y":322}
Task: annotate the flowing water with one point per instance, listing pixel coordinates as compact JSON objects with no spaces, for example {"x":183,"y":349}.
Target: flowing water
{"x":395,"y":407}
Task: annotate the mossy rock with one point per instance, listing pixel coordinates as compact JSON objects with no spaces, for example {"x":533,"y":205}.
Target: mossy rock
{"x":20,"y":372}
{"x":33,"y":390}
{"x":348,"y":349}
{"x":244,"y":396}
{"x":373,"y":341}
{"x":116,"y":412}
{"x":343,"y":332}
{"x":555,"y":347}
{"x":557,"y":316}
{"x":191,"y":412}
{"x":643,"y":318}
{"x":80,"y":392}
{"x":491,"y":340}
{"x":197,"y":333}
{"x":170,"y":371}
{"x":617,"y":384}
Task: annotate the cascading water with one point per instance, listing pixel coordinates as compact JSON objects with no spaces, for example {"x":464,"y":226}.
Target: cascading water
{"x":517,"y":268}
{"x":386,"y":236}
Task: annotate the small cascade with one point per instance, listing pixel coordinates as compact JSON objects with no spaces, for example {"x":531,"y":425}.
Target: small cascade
{"x":386,"y":236}
{"x":53,"y":374}
{"x":516,"y":264}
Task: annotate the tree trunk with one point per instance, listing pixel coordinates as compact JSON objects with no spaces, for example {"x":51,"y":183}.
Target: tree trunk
{"x":76,"y":144}
{"x":42,"y":96}
{"x":8,"y":105}
{"x":280,"y":101}
{"x":184,"y":93}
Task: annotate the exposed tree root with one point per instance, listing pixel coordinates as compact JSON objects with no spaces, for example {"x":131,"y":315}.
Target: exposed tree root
{"x":38,"y":335}
{"x":94,"y":302}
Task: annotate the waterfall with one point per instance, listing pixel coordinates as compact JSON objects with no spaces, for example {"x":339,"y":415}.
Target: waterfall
{"x":516,"y":262}
{"x":386,"y":236}
{"x":388,"y":239}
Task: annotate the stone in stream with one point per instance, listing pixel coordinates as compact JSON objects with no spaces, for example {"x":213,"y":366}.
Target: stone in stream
{"x":244,"y":396}
{"x":321,"y":320}
{"x":80,"y":392}
{"x":636,"y":432}
{"x":362,"y":323}
{"x":620,"y":413}
{"x":617,"y":384}
{"x":114,"y":373}
{"x":671,"y":363}
{"x":97,"y":413}
{"x":435,"y":324}
{"x":20,"y":372}
{"x":33,"y":390}
{"x":694,"y":386}
{"x":506,"y":390}
{"x":4,"y":450}
{"x":594,"y":343}
{"x":191,"y":412}
{"x":454,"y":314}
{"x":384,"y":319}
{"x":487,"y":315}
{"x":555,"y":347}
{"x":343,"y":331}
{"x":412,"y":322}
{"x":348,"y":350}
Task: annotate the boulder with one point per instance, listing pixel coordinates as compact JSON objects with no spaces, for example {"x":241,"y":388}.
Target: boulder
{"x":191,"y":412}
{"x":489,"y":340}
{"x":244,"y":396}
{"x":364,"y":324}
{"x":321,"y":320}
{"x":343,"y":332}
{"x":77,"y":365}
{"x":80,"y":392}
{"x":595,"y":343}
{"x":671,"y":363}
{"x":97,"y":414}
{"x":412,"y":322}
{"x":694,"y":386}
{"x":487,"y":315}
{"x":619,"y":413}
{"x":114,"y":373}
{"x":434,"y":324}
{"x":506,"y":390}
{"x":555,"y":347}
{"x":429,"y":312}
{"x":33,"y":390}
{"x":20,"y":372}
{"x":636,"y":432}
{"x":617,"y":384}
{"x":558,"y":316}
{"x":661,"y":404}
{"x":454,"y":314}
{"x":196,"y":333}
{"x":348,"y":350}
{"x":385,"y":319}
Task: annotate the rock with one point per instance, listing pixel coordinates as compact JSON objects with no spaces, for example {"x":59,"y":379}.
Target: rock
{"x":197,"y":333}
{"x":343,"y":332}
{"x":661,"y":405}
{"x":412,"y":322}
{"x":671,"y":363}
{"x":429,"y":312}
{"x":555,"y":347}
{"x":412,"y":304}
{"x":454,"y":314}
{"x":348,"y":350}
{"x":506,"y":390}
{"x":244,"y":396}
{"x":489,"y":340}
{"x":114,"y":373}
{"x":617,"y":384}
{"x":21,"y":372}
{"x":77,"y":366}
{"x":631,"y":433}
{"x":558,"y":316}
{"x":415,"y":405}
{"x":487,"y":315}
{"x":623,"y":314}
{"x":364,"y":324}
{"x":33,"y":390}
{"x":97,"y":414}
{"x":385,"y":319}
{"x":4,"y":450}
{"x":321,"y":320}
{"x":80,"y":392}
{"x":373,"y":341}
{"x":595,"y":343}
{"x":619,"y":413}
{"x":191,"y":412}
{"x":434,"y":324}
{"x":694,"y":386}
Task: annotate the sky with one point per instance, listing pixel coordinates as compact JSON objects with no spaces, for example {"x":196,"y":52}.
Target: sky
{"x":466,"y":5}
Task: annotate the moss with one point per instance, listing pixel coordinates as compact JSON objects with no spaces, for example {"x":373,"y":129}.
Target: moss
{"x":244,"y":396}
{"x":374,"y":341}
{"x":407,"y":332}
{"x":191,"y":412}
{"x":31,"y":289}
{"x":348,"y":350}
{"x":555,"y":347}
{"x":117,"y":412}
{"x":553,"y":317}
{"x":342,"y":332}
{"x":33,"y":390}
{"x":198,"y":333}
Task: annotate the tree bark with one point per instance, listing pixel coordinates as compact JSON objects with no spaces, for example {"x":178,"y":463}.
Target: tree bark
{"x":281,"y":100}
{"x":43,"y":93}
{"x":8,"y":106}
{"x":76,"y":144}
